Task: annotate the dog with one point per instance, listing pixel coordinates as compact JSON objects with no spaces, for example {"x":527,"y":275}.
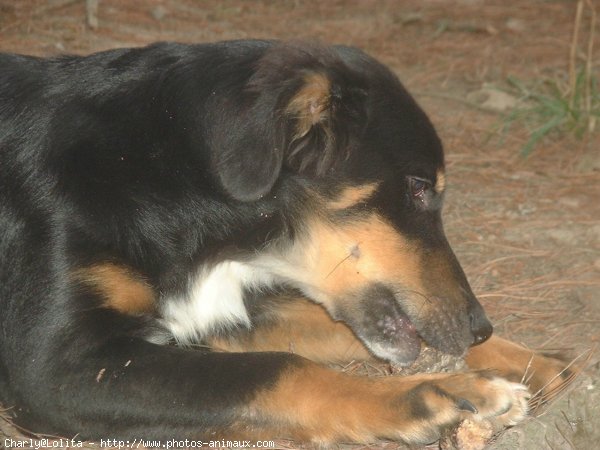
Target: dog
{"x":176,"y":218}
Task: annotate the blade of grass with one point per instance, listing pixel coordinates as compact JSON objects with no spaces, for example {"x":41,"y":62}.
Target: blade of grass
{"x":538,"y":134}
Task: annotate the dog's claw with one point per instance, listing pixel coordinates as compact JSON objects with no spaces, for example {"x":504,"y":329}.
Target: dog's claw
{"x":465,"y":405}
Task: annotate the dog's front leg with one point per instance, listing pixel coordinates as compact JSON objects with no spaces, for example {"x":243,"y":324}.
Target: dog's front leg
{"x":129,"y":388}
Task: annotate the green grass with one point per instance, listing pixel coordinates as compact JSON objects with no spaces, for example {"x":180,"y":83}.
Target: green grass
{"x":549,"y":108}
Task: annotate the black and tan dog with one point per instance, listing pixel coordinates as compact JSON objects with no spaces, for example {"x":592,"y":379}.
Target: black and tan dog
{"x":187,"y":193}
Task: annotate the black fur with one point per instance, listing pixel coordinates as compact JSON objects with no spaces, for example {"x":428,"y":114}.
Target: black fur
{"x":162,"y":159}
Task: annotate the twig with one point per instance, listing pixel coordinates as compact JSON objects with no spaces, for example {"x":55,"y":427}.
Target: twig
{"x":457,"y":99}
{"x":91,"y":13}
{"x":573,"y":55}
{"x":540,"y":396}
{"x":588,"y":69}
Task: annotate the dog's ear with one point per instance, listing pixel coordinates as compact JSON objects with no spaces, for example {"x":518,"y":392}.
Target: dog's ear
{"x":300,"y":110}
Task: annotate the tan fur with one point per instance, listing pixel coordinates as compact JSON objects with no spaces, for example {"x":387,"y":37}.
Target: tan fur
{"x":517,"y":363}
{"x":328,"y":406}
{"x":343,"y":258}
{"x":311,"y":103}
{"x":314,"y":402}
{"x":302,"y":327}
{"x":121,"y":289}
{"x":440,"y":183}
{"x":352,"y":196}
{"x":305,"y":328}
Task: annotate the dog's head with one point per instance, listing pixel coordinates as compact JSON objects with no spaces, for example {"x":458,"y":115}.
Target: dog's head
{"x":357,"y":170}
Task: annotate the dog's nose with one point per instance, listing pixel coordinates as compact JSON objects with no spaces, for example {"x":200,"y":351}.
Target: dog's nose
{"x":481,"y":328}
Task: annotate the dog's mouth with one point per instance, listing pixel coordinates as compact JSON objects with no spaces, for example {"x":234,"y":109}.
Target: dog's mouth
{"x":383,"y":327}
{"x":378,"y":319}
{"x":392,"y":336}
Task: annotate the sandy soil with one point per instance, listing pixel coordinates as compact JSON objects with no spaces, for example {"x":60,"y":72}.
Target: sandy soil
{"x":526,"y":230}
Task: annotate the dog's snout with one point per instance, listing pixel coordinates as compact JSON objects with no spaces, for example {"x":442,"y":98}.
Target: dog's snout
{"x":481,"y":328}
{"x":444,"y":274}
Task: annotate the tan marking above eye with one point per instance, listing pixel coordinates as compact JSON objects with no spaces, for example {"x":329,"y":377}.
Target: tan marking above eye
{"x":121,"y":288}
{"x":353,"y":195}
{"x":440,"y":183}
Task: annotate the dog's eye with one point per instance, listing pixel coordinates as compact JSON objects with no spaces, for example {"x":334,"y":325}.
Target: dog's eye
{"x":418,"y":187}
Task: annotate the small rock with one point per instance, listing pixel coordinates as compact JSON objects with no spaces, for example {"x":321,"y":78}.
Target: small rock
{"x":516,"y":25}
{"x":570,"y":202}
{"x":563,"y":236}
{"x":411,"y":18}
{"x":91,"y":13}
{"x":159,"y":12}
{"x":595,"y":232}
{"x":589,"y":162}
{"x":493,"y":99}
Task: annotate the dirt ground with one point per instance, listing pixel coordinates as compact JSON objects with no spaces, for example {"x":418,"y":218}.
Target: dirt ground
{"x":527,"y":230}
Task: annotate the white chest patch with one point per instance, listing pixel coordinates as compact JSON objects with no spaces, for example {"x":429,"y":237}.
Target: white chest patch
{"x":214,"y":300}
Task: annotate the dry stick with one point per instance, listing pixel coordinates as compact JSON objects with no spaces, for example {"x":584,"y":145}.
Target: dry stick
{"x":588,"y":69}
{"x":456,"y":98}
{"x":573,"y":429}
{"x":564,"y":436}
{"x":560,"y":332}
{"x":540,"y":397}
{"x":573,"y":55}
{"x":526,"y":373}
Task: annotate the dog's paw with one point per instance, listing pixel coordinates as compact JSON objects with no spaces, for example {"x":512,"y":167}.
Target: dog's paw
{"x":474,"y":433}
{"x":513,"y":398}
{"x":443,"y":403}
